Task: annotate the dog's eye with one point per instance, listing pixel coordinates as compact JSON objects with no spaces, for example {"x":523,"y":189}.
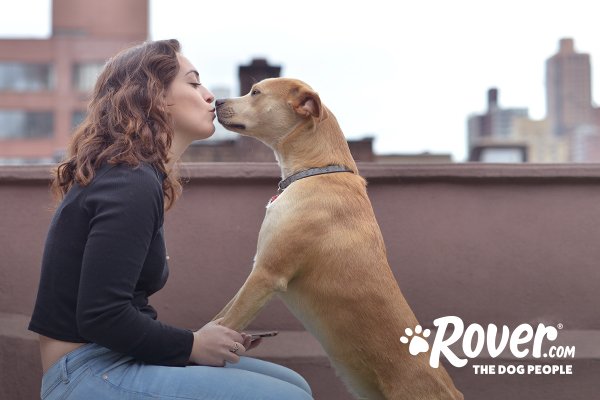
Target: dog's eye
{"x":254,"y":92}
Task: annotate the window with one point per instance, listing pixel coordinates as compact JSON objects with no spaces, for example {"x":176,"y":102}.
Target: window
{"x":85,"y":75}
{"x":503,"y":155}
{"x":20,"y":124}
{"x":77,"y":118}
{"x":20,"y":77}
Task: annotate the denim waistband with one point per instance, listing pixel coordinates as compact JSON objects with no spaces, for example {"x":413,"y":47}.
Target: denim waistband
{"x":71,"y":361}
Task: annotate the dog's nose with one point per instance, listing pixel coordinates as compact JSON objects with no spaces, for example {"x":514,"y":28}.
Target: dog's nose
{"x":219,"y":102}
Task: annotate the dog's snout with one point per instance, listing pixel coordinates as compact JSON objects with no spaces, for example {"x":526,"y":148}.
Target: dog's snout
{"x":219,"y":102}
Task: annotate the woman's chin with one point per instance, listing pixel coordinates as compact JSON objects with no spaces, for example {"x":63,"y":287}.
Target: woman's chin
{"x":205,"y":134}
{"x":212,"y":132}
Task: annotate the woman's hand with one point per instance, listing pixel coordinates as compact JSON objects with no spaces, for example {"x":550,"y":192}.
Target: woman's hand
{"x":213,"y":344}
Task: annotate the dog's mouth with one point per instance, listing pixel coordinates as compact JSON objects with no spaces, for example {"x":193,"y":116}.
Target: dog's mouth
{"x":226,"y":113}
{"x":233,"y":126}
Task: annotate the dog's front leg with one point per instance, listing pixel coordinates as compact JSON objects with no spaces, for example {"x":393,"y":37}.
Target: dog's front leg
{"x":256,"y":292}
{"x":271,"y":272}
{"x":227,"y":307}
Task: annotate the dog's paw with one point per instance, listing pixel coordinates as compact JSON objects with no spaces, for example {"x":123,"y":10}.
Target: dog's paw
{"x":417,"y":343}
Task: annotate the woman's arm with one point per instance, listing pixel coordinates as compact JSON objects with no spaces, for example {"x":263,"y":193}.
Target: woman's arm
{"x":125,"y":206}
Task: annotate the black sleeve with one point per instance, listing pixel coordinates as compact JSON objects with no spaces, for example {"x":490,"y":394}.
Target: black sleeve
{"x":125,"y":207}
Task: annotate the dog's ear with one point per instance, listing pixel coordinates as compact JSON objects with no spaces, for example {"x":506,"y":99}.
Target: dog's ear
{"x":306,"y":102}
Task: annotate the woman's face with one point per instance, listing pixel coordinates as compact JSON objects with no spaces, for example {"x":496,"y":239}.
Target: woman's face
{"x":190,"y":104}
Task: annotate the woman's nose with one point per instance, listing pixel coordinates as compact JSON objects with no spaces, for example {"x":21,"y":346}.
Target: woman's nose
{"x":209,"y":97}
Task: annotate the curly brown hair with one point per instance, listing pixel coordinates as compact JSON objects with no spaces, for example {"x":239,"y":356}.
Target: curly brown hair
{"x":128,"y":120}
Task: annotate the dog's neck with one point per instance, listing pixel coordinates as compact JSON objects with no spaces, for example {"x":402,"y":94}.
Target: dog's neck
{"x":313,"y":144}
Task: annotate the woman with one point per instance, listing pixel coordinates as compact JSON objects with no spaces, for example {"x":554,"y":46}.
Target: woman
{"x":105,"y":252}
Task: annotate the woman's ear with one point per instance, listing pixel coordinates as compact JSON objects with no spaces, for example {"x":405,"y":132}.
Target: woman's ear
{"x":306,"y":103}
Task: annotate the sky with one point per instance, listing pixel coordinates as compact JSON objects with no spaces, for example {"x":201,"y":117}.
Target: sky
{"x":408,"y":73}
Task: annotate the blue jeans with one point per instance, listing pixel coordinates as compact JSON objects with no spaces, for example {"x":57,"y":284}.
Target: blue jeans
{"x":93,"y":372}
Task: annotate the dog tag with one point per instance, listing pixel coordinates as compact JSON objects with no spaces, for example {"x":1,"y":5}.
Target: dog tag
{"x":271,"y":200}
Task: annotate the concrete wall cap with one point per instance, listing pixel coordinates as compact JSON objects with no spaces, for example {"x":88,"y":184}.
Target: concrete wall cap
{"x":370,"y":171}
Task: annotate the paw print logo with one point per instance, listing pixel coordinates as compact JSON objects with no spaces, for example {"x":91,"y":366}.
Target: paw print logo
{"x":417,"y":343}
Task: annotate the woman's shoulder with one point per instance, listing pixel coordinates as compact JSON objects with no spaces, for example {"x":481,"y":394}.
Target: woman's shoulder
{"x":142,"y":174}
{"x":114,"y":183}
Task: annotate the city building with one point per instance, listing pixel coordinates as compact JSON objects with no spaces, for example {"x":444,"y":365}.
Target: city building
{"x":584,"y":143}
{"x":542,"y":147}
{"x":45,"y":83}
{"x":569,"y":133}
{"x":568,"y":89}
{"x":492,"y":136}
{"x":571,"y":112}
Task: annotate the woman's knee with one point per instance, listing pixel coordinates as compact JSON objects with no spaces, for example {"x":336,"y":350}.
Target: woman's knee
{"x":272,"y":370}
{"x":295,"y":378}
{"x":275,"y":389}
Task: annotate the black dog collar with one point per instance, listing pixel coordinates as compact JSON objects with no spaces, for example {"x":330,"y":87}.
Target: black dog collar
{"x":311,"y":172}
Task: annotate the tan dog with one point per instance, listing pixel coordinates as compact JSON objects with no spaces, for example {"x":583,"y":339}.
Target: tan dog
{"x":321,"y":250}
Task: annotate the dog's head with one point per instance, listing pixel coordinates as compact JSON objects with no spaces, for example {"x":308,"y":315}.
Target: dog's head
{"x":272,"y":109}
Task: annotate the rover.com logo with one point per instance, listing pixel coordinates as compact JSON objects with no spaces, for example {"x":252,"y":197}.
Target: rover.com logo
{"x":475,"y":337}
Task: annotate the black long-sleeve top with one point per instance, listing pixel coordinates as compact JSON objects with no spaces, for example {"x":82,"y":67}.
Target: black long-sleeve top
{"x":104,"y":256}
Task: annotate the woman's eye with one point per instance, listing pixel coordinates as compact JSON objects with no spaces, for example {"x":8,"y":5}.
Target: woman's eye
{"x":255,"y":92}
{"x":194,"y":84}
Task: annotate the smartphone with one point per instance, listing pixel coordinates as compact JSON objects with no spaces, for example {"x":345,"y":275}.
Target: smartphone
{"x":263,"y":334}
